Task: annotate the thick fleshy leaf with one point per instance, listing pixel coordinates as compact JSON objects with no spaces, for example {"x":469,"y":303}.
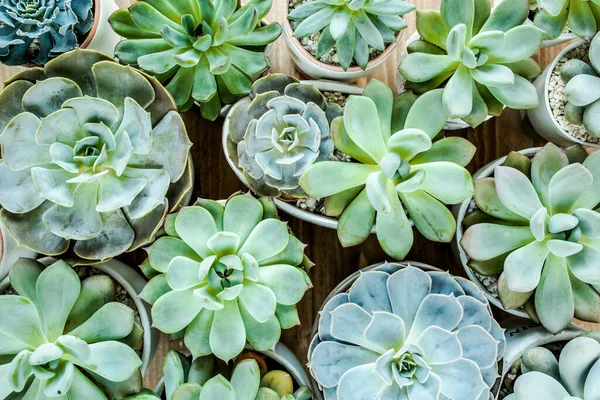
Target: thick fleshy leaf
{"x":195,"y":225}
{"x":448,"y":182}
{"x":101,"y":326}
{"x":245,"y":380}
{"x":522,"y":95}
{"x":394,"y":231}
{"x":520,"y":43}
{"x":516,"y":192}
{"x":175,"y":310}
{"x":269,"y":238}
{"x":554,"y":301}
{"x":112,"y":360}
{"x":541,"y":386}
{"x":422,"y":67}
{"x":523,"y":267}
{"x":165,"y":249}
{"x":439,"y":346}
{"x":262,"y":336}
{"x":431,"y":217}
{"x":436,"y":310}
{"x":460,"y":379}
{"x":458,"y":93}
{"x":259,"y":300}
{"x":21,"y":320}
{"x":584,"y":264}
{"x":227,"y":333}
{"x":287,"y":282}
{"x":567,"y":185}
{"x":360,"y":382}
{"x":362,"y":125}
{"x":327,"y":178}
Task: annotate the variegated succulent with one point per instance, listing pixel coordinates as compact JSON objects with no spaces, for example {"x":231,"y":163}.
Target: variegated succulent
{"x":350,"y":26}
{"x":582,"y":17}
{"x":62,"y":338}
{"x":402,"y":333}
{"x":205,"y":51}
{"x":582,"y":90}
{"x":574,"y":376}
{"x":94,"y":155}
{"x":399,"y":165}
{"x":537,"y":226}
{"x":226,"y":275}
{"x":481,"y":58}
{"x":276,"y":133}
{"x":35,"y":31}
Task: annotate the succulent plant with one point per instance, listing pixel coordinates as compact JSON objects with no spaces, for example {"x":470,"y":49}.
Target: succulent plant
{"x":226,"y":275}
{"x":36,"y":31}
{"x":276,"y":133}
{"x":582,"y":17}
{"x":574,"y":376}
{"x":90,"y":165}
{"x":62,"y":338}
{"x":206,"y":51}
{"x":482,"y":58}
{"x":402,"y":333}
{"x":399,"y":165}
{"x":350,"y":26}
{"x":582,"y":90}
{"x":537,"y":227}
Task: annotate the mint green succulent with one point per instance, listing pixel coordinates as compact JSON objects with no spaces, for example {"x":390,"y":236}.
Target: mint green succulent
{"x":398,"y":166}
{"x":225,"y":276}
{"x":482,"y":58}
{"x":582,"y":17}
{"x":65,"y":339}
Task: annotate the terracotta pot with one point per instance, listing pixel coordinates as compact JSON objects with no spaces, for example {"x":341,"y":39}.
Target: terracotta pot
{"x":101,"y":37}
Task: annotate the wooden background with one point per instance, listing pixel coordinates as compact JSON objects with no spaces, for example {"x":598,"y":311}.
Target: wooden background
{"x":215,"y":180}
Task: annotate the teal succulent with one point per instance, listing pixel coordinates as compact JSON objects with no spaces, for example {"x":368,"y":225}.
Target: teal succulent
{"x":226,"y":275}
{"x":62,"y":338}
{"x":481,"y":58}
{"x":398,"y":166}
{"x":582,"y":17}
{"x":205,"y":51}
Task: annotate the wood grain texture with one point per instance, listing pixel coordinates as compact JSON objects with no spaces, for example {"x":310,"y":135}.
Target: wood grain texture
{"x":215,"y":180}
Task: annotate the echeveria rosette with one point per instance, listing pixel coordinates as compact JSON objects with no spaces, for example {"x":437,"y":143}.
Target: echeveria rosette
{"x":402,"y":333}
{"x":227,"y":275}
{"x":350,"y":26}
{"x":94,"y":154}
{"x":541,"y":230}
{"x":582,"y":90}
{"x":582,"y":17}
{"x":574,"y":376}
{"x":279,"y":131}
{"x":481,"y":58}
{"x":62,"y":338}
{"x":35,"y":31}
{"x":205,"y":51}
{"x":398,"y":165}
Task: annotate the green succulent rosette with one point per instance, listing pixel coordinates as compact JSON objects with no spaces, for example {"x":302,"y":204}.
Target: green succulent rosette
{"x":582,"y":17}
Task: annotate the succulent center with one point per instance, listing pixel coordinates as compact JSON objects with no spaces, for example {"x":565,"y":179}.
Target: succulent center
{"x":408,"y":365}
{"x":222,"y":277}
{"x":395,"y":167}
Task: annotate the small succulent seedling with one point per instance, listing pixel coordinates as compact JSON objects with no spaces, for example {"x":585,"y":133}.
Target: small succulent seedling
{"x":397,"y":165}
{"x":582,"y":90}
{"x":538,"y":228}
{"x":226,"y":275}
{"x":66,"y":339}
{"x":89,"y":165}
{"x":402,"y":333}
{"x":582,"y":17}
{"x":350,"y":26}
{"x":204,"y":51}
{"x":278,"y":133}
{"x":481,"y":58}
{"x":37,"y":31}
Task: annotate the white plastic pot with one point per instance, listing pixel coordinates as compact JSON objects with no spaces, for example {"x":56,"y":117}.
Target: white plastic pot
{"x":10,"y":252}
{"x":101,"y":37}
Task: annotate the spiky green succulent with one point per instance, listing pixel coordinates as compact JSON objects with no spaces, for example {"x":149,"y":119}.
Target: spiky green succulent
{"x":279,"y":131}
{"x":35,"y":31}
{"x":582,"y":90}
{"x":402,"y":333}
{"x":65,"y":339}
{"x":574,"y":376}
{"x":582,"y":17}
{"x":226,"y":275}
{"x":481,"y":58}
{"x":538,"y":227}
{"x":205,"y":51}
{"x":94,"y":154}
{"x":350,"y":26}
{"x":399,"y":166}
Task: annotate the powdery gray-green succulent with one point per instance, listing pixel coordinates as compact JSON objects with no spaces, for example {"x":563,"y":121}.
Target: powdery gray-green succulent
{"x":482,"y":58}
{"x":397,"y":164}
{"x":402,"y":333}
{"x":582,"y":17}
{"x":62,"y":338}
{"x":205,"y":51}
{"x":538,"y":228}
{"x":226,"y":275}
{"x":278,"y":132}
{"x":350,"y":26}
{"x":94,"y":154}
{"x":582,"y":90}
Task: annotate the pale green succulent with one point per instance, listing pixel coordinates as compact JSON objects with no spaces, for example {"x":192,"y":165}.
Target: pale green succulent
{"x":226,"y":275}
{"x":574,"y":376}
{"x":398,"y":165}
{"x":582,"y":90}
{"x":482,"y":58}
{"x":582,"y":17}
{"x":350,"y":26}
{"x":279,"y":131}
{"x":94,"y":154}
{"x":402,"y":333}
{"x":538,"y":228}
{"x":65,"y":339}
{"x":205,"y":51}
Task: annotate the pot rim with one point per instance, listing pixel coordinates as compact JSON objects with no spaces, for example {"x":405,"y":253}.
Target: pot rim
{"x":460,"y":211}
{"x":90,"y":35}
